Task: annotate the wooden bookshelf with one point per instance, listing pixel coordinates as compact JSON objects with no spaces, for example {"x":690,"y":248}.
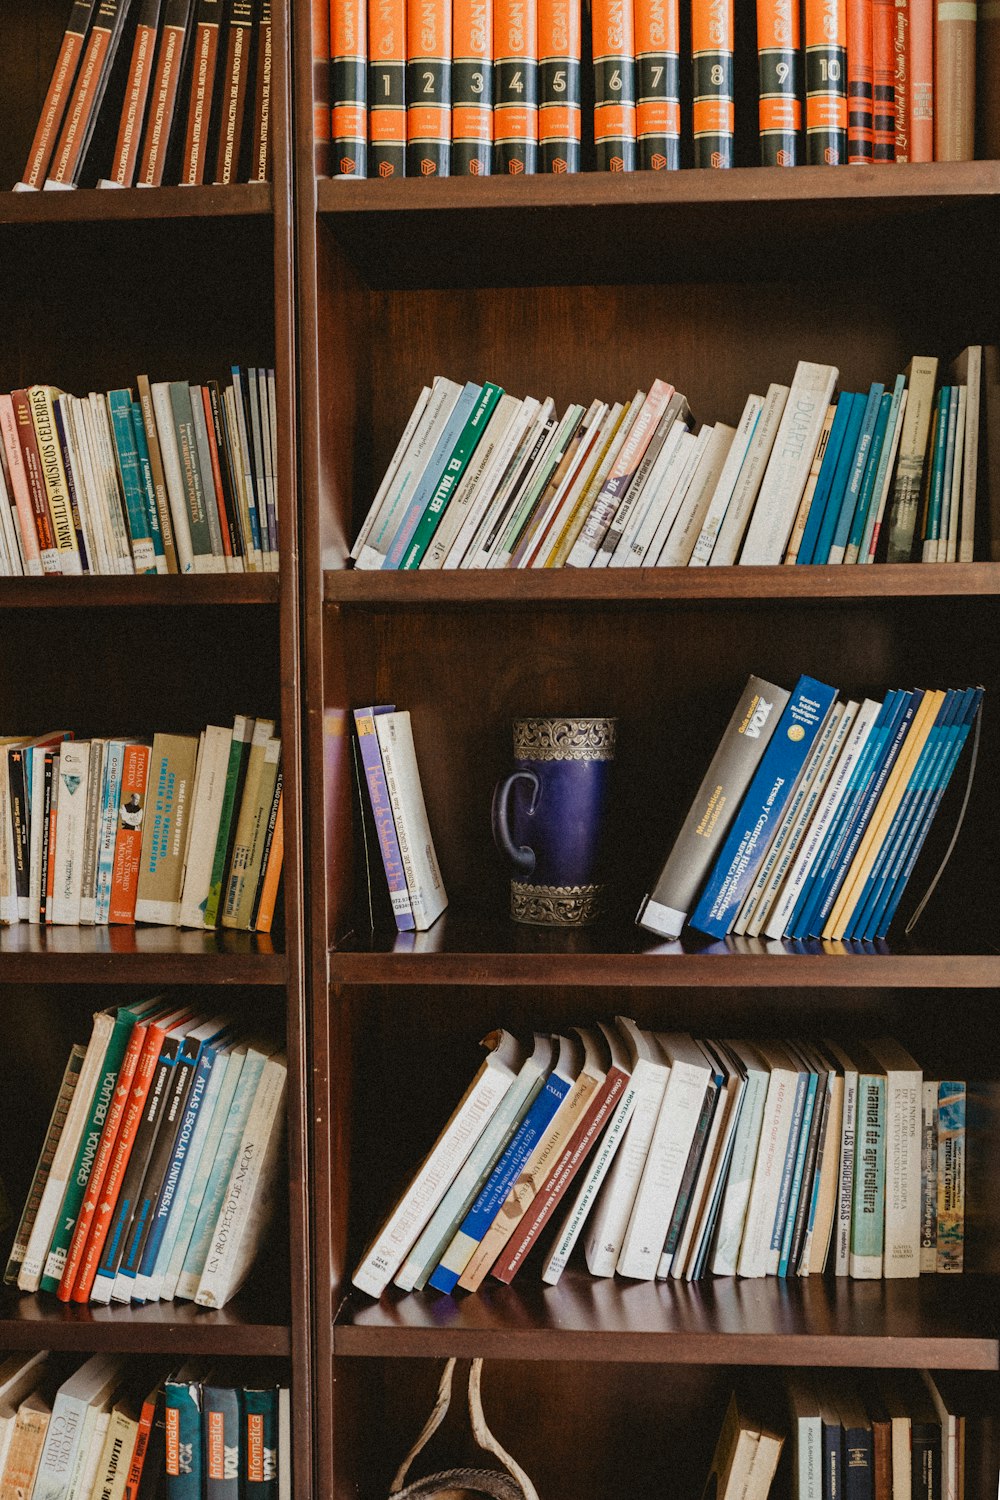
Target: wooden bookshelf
{"x":176,"y":283}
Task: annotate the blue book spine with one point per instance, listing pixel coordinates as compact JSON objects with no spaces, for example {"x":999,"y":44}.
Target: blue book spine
{"x":221,"y":1433}
{"x":146,"y":476}
{"x":832,"y":1461}
{"x":873,"y":468}
{"x":841,"y":477}
{"x":428,"y":481}
{"x":939,"y":446}
{"x":788,"y":1169}
{"x":385,"y":824}
{"x":260,"y":1444}
{"x":809,"y":1105}
{"x":763,"y":806}
{"x":120,"y":408}
{"x":110,"y":795}
{"x":900,"y":880}
{"x":184,"y":1454}
{"x":486,"y":1207}
{"x":828,"y":468}
{"x":859,"y":1479}
{"x":852,"y":491}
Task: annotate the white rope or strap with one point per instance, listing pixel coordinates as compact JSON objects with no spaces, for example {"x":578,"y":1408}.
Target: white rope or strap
{"x":430,"y":1427}
{"x":484,"y":1436}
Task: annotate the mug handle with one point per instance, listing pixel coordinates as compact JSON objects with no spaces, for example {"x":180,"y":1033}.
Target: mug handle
{"x":521,"y":857}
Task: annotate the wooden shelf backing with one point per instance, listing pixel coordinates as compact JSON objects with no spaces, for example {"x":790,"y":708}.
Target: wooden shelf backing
{"x":621,"y":586}
{"x":137,"y":955}
{"x":168,"y":589}
{"x":124,"y":205}
{"x":941,"y":1322}
{"x":181,"y":1328}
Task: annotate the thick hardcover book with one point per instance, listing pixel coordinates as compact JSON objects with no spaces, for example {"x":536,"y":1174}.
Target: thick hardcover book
{"x":378,"y":795}
{"x":858,"y":1449}
{"x":89,"y":88}
{"x":207,"y":24}
{"x":860,"y":82}
{"x":260,"y":147}
{"x":559,"y":86}
{"x":234,"y":85}
{"x":165,"y":91}
{"x":515,"y":87}
{"x":657,"y":80}
{"x":53,"y":1135}
{"x":387,"y":93}
{"x":221,"y":1440}
{"x":754,"y":720}
{"x":613,"y":38}
{"x":428,"y":90}
{"x":140,"y":78}
{"x":56,"y":99}
{"x":165,"y":831}
{"x":884,"y":80}
{"x":713,"y":39}
{"x":184,"y":1455}
{"x":260,"y":1443}
{"x":471,"y":87}
{"x":348,"y":81}
{"x":954,"y":80}
{"x":780,"y":71}
{"x":825,"y":29}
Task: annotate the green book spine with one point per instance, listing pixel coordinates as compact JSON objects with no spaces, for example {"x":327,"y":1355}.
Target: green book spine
{"x":126,"y":454}
{"x":453,"y":471}
{"x":148,"y":487}
{"x":868,"y":1207}
{"x":238,"y":756}
{"x":932,"y":529}
{"x":56,"y":1123}
{"x":187,"y":449}
{"x":259,"y":1448}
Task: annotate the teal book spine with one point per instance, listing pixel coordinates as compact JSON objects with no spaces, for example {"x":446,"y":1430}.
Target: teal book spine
{"x":798,"y":1172}
{"x":852,"y":492}
{"x":841,"y":479}
{"x":184,"y":1466}
{"x":824,"y":483}
{"x":260,"y":1444}
{"x":148,"y":487}
{"x":222,"y":1431}
{"x":869,"y":541}
{"x":143,"y":553}
{"x":869,"y":485}
{"x":433,"y":472}
{"x":868,"y":1205}
{"x":951,"y":1177}
{"x":932,"y":527}
{"x":453,"y":471}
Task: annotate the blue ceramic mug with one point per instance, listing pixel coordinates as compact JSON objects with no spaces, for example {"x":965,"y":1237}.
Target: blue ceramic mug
{"x":548,"y":818}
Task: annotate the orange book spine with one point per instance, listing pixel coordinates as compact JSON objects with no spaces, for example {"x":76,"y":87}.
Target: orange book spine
{"x":921,"y":95}
{"x":860,"y":82}
{"x":60,"y":85}
{"x":220,"y":497}
{"x":779,"y":65}
{"x":199,"y":110}
{"x":102,"y":1160}
{"x":613,"y":27}
{"x":349,"y":87}
{"x":320,"y":15}
{"x":712,"y":40}
{"x":387,"y":87}
{"x":515,"y":84}
{"x":163,"y":101}
{"x":138,"y":1459}
{"x":826,"y":82}
{"x":128,"y":838}
{"x":140,"y":77}
{"x":272,"y":874}
{"x":884,"y":80}
{"x":559,"y":86}
{"x":77,"y":124}
{"x":472,"y":88}
{"x":901,"y":80}
{"x":955,"y":80}
{"x":658,"y":85}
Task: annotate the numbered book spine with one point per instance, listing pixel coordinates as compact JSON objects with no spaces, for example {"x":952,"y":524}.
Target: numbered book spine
{"x":428,"y":89}
{"x":884,"y":80}
{"x":54,"y":108}
{"x":515,"y":85}
{"x":387,"y":88}
{"x":199,"y":105}
{"x":779,"y":61}
{"x":826,"y":82}
{"x":559,"y":86}
{"x":712,"y":41}
{"x":657,"y":77}
{"x":614,"y":85}
{"x":860,"y":82}
{"x":472,"y":89}
{"x":348,"y":82}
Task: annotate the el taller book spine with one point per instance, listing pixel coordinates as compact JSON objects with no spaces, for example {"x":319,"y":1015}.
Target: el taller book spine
{"x":387,"y":87}
{"x":826,"y":82}
{"x":657,"y":77}
{"x":428,"y":89}
{"x":60,"y":85}
{"x":348,"y":82}
{"x":780,"y":68}
{"x":515,"y":84}
{"x":163,"y":99}
{"x":613,"y":30}
{"x":472,"y":88}
{"x":559,"y":86}
{"x":140,"y":77}
{"x":712,"y":43}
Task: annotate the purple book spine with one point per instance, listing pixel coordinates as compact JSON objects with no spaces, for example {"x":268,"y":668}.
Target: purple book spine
{"x":378,"y":793}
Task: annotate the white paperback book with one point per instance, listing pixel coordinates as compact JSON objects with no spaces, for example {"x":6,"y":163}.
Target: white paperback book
{"x":904,"y":1095}
{"x":747,"y":487}
{"x":173,"y":478}
{"x":845,"y":1178}
{"x":71,"y":822}
{"x":416,"y":846}
{"x":736,"y":1192}
{"x":473,"y":493}
{"x":206,"y":812}
{"x":661,"y":500}
{"x":659,"y":523}
{"x":416,"y":414}
{"x":779,"y":1109}
{"x":400,"y":492}
{"x":525,"y":439}
{"x":715,"y":512}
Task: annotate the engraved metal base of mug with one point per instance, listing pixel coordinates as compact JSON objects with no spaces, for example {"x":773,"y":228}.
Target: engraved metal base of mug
{"x":555,"y":905}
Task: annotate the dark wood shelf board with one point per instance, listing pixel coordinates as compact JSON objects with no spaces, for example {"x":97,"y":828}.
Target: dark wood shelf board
{"x":123,"y":205}
{"x":33,"y":1322}
{"x":940,"y":1322}
{"x":137,"y":955}
{"x":169,"y":590}
{"x":460,"y":949}
{"x":622,"y":586}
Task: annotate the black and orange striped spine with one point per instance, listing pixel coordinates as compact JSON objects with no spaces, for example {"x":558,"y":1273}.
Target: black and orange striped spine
{"x":860,"y":83}
{"x":559,"y":28}
{"x":826,"y":82}
{"x":387,"y":88}
{"x":349,"y":87}
{"x":515,"y":87}
{"x":320,"y":16}
{"x":472,"y":88}
{"x":614,"y":85}
{"x":428,"y":88}
{"x":779,"y":64}
{"x":658,"y":84}
{"x":884,"y":80}
{"x":712,"y":38}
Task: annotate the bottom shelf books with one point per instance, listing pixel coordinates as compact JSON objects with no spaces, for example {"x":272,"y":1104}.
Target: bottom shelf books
{"x":117,"y":1429}
{"x":671,"y":1156}
{"x":155,"y":1179}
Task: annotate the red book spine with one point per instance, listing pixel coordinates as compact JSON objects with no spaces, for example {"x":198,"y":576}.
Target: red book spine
{"x":88,"y":91}
{"x":901,"y":79}
{"x":54,"y":108}
{"x":140,"y":76}
{"x":860,"y":82}
{"x":578,"y":1148}
{"x":138,"y":1460}
{"x":921,"y":80}
{"x":36,"y":482}
{"x":884,"y":80}
{"x":199,"y":112}
{"x":163,"y":102}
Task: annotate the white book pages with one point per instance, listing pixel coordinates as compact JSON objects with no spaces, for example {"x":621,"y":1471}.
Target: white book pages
{"x":473,"y":492}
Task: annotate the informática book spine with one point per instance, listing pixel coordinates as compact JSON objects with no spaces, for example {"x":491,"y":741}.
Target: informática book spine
{"x":260,"y":1443}
{"x":712,"y":50}
{"x":860,"y":81}
{"x":235,"y":85}
{"x":780,"y":67}
{"x":387,"y":92}
{"x":951,"y":1127}
{"x":378,"y":795}
{"x":613,"y":37}
{"x":184,"y":1467}
{"x":348,"y":85}
{"x":53,"y":1135}
{"x":128,"y":835}
{"x":826,"y":82}
{"x":559,"y":117}
{"x":260,"y":153}
{"x":54,"y":478}
{"x":868,"y":1205}
{"x":884,"y":80}
{"x":205,"y":54}
{"x":222,"y":1441}
{"x":140,"y":77}
{"x":88,"y":92}
{"x":472,"y":88}
{"x":56,"y":99}
{"x":428,"y":89}
{"x":515,"y":87}
{"x":657,"y":81}
{"x":402,"y":775}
